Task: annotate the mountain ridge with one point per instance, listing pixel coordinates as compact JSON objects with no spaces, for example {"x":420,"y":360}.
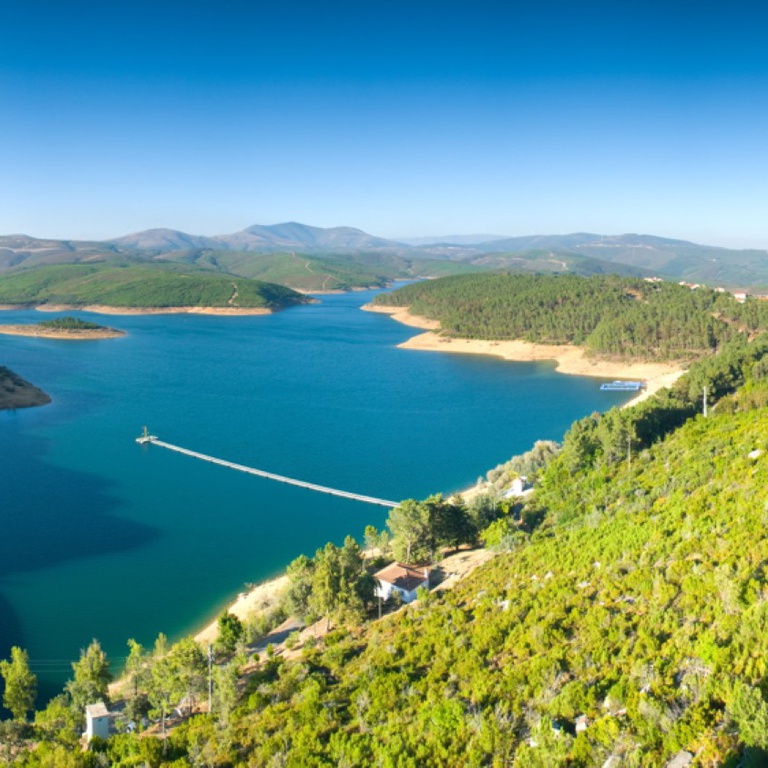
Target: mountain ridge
{"x":579,"y":252}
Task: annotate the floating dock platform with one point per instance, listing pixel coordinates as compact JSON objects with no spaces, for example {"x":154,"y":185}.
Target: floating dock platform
{"x":622,"y":386}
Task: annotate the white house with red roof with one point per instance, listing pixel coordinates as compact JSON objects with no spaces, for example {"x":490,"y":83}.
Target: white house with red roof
{"x":401,"y":578}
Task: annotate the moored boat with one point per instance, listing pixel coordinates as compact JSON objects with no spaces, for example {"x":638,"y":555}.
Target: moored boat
{"x":622,"y":386}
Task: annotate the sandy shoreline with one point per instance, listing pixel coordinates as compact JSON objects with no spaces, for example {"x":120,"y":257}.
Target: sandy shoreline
{"x":569,"y":359}
{"x":61,"y":333}
{"x":104,"y":310}
{"x":402,"y":315}
{"x":260,"y":598}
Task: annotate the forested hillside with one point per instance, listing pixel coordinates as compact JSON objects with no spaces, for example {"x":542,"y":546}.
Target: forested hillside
{"x":609,"y":315}
{"x":624,"y":621}
{"x":139,"y":286}
{"x":320,"y":272}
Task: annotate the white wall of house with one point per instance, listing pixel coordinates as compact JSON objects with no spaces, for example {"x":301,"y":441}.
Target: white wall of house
{"x":96,"y":721}
{"x":384,"y":590}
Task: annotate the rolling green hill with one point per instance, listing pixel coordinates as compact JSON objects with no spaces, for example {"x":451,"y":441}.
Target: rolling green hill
{"x":139,"y":286}
{"x":319,"y":272}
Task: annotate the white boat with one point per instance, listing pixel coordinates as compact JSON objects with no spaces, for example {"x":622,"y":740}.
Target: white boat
{"x":622,"y":386}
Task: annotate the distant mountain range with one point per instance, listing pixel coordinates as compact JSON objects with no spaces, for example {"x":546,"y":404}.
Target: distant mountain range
{"x":290,"y":252}
{"x":259,"y":238}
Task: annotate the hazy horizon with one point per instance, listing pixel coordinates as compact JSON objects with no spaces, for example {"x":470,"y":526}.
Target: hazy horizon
{"x":467,"y":239}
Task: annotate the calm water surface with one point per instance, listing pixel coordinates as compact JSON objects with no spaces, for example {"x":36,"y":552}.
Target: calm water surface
{"x":102,"y":538}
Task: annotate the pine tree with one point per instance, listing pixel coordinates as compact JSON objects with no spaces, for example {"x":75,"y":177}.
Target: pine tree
{"x":20,"y":684}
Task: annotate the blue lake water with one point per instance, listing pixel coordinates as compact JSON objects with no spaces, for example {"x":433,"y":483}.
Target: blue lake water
{"x":103,"y":538}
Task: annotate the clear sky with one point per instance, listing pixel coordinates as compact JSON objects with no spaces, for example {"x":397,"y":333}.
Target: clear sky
{"x":402,"y":118}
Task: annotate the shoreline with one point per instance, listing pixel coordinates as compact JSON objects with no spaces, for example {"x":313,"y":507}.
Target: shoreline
{"x":266,"y":595}
{"x":568,"y":358}
{"x":101,"y":309}
{"x":258,"y":598}
{"x":404,"y":316}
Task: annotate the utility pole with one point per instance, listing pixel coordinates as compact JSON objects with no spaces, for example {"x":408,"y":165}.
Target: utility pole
{"x":705,"y":402}
{"x":210,"y":678}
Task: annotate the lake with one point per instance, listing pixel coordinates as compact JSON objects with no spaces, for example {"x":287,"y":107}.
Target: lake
{"x":103,"y":538}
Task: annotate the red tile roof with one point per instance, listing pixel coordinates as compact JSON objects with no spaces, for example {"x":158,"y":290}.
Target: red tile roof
{"x":406,"y":577}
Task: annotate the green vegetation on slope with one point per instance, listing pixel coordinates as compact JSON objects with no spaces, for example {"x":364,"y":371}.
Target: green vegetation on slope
{"x":609,"y":315}
{"x":300,"y":272}
{"x":139,"y":286}
{"x":320,"y":272}
{"x":630,"y":625}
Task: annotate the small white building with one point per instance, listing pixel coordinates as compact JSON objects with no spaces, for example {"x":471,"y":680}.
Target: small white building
{"x":97,"y":721}
{"x":400,"y":578}
{"x":519,"y":487}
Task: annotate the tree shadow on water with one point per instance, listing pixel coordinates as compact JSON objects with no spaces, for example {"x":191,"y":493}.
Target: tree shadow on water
{"x":50,"y":515}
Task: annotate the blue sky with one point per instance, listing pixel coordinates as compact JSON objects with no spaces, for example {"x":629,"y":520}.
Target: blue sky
{"x":401,"y":118}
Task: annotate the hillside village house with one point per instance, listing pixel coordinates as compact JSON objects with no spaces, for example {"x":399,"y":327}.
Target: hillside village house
{"x":401,"y":579}
{"x":97,"y":721}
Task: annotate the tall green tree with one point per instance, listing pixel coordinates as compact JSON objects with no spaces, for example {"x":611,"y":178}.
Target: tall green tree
{"x":326,"y":581}
{"x":136,"y":666}
{"x":188,"y":668}
{"x":59,"y":720}
{"x":92,"y":676}
{"x":450,"y":523}
{"x":341,"y":588}
{"x":411,"y":533}
{"x":161,"y":685}
{"x":297,"y":599}
{"x":20,"y":684}
{"x":231,"y":630}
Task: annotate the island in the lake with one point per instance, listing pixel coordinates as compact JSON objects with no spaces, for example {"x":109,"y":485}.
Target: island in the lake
{"x":69,"y":328}
{"x":16,"y":392}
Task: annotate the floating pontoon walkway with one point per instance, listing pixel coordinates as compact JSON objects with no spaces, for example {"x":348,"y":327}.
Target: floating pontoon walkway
{"x":146,"y":438}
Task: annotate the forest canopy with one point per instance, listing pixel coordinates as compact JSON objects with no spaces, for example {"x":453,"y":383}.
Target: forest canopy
{"x":140,"y":286}
{"x":608,"y":314}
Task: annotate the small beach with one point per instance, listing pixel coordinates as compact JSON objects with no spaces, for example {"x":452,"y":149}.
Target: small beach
{"x":258,"y":599}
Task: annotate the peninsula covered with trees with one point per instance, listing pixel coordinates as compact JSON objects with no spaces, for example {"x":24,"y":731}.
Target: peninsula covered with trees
{"x":609,"y":315}
{"x":16,"y":392}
